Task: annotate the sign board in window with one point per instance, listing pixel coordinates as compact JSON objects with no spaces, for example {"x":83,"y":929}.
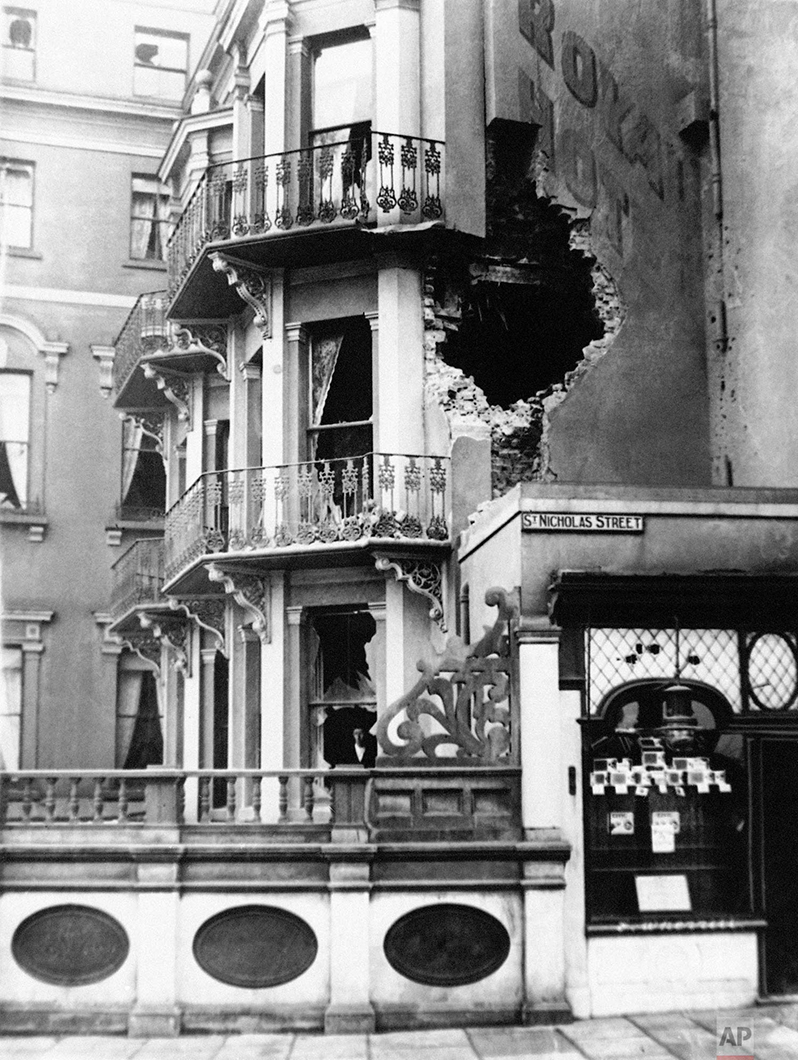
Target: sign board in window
{"x":663,"y":894}
{"x":582,"y":522}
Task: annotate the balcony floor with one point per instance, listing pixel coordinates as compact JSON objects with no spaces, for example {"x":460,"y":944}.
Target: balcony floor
{"x":205,"y":294}
{"x":194,"y":578}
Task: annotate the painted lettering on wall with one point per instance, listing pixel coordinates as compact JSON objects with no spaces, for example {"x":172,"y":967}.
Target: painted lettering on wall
{"x":569,"y":148}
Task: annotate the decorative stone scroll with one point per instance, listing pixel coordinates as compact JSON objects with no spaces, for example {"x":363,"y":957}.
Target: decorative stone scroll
{"x":209,"y":614}
{"x":421,"y":576}
{"x":172,"y":633}
{"x":144,"y":644}
{"x":150,"y":425}
{"x":250,"y":592}
{"x":176,"y":389}
{"x":471,"y":706}
{"x":210,"y":339}
{"x":253,"y":286}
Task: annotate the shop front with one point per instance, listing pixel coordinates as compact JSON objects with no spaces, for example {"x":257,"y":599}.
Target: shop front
{"x":674,"y":754}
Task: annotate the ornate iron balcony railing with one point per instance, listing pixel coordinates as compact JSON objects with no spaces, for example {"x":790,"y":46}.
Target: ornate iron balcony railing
{"x":138,"y":576}
{"x":307,"y":505}
{"x":354,"y":181}
{"x":144,"y":331}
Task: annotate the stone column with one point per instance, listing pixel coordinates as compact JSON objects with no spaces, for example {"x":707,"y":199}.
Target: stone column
{"x":399,"y":382}
{"x":31,"y":670}
{"x":374,"y":324}
{"x":295,"y":396}
{"x":394,"y":639}
{"x":398,"y":66}
{"x":242,"y":130}
{"x":274,"y":699}
{"x":208,"y":657}
{"x":252,"y":413}
{"x":295,"y":716}
{"x":273,"y":383}
{"x":275,"y":25}
{"x":350,"y":1010}
{"x":209,"y":460}
{"x":542,"y":785}
{"x":298,"y":118}
{"x":542,"y":792}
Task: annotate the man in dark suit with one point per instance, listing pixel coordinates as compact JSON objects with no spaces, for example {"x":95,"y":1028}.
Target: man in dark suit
{"x":365,"y":748}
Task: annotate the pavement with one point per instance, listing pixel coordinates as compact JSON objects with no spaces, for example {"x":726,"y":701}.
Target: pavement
{"x":662,"y":1036}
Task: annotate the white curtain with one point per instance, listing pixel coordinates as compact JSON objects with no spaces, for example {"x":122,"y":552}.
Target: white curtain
{"x":17,"y":455}
{"x":325,"y":358}
{"x":144,"y":216}
{"x":14,"y":428}
{"x":128,"y":696}
{"x":132,"y":433}
{"x":10,"y":707}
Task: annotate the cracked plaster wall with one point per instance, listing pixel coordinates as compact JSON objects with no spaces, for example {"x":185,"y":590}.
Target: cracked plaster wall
{"x":518,"y":433}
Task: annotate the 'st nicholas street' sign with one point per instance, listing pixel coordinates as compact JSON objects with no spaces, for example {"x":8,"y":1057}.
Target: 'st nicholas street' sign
{"x":583,"y":522}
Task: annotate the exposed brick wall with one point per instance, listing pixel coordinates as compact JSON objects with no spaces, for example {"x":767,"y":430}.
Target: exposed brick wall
{"x":519,"y":451}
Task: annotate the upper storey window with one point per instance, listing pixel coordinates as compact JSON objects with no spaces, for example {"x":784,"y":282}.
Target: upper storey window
{"x":14,"y":439}
{"x":160,"y":64}
{"x":342,"y":90}
{"x":149,"y":219}
{"x":19,"y":43}
{"x":16,"y":203}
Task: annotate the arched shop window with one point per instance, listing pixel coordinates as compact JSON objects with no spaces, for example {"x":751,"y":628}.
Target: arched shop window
{"x":666,"y":790}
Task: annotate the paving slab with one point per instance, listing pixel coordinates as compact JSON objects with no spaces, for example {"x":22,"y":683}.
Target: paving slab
{"x":678,"y":1034}
{"x":190,"y":1047}
{"x":499,"y":1043}
{"x":613,"y":1027}
{"x":330,"y":1047}
{"x":97,"y":1047}
{"x":622,"y":1048}
{"x":21,"y":1046}
{"x":430,"y":1039}
{"x":786,"y":1014}
{"x":256,"y":1047}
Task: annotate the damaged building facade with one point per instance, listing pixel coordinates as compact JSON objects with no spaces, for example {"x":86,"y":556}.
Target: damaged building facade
{"x":472,"y":622}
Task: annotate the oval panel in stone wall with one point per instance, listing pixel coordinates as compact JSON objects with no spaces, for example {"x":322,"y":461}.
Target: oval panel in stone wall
{"x":255,"y":946}
{"x":70,"y":945}
{"x":447,"y":945}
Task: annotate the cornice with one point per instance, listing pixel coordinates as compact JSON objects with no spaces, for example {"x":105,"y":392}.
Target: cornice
{"x":191,"y":123}
{"x":149,"y":109}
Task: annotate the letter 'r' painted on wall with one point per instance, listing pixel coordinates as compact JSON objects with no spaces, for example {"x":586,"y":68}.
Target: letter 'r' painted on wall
{"x":536,"y":21}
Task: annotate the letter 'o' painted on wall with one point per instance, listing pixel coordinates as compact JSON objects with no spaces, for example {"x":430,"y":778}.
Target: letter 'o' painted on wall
{"x":579,"y":68}
{"x":255,"y":946}
{"x":70,"y":945}
{"x":446,"y":945}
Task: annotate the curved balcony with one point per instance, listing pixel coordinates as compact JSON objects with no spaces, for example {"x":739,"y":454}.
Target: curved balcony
{"x":255,"y":208}
{"x":144,"y":332}
{"x":327,"y":509}
{"x":138,"y":577}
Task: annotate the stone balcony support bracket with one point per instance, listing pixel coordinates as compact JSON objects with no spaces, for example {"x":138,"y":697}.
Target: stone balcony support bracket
{"x":208,"y":338}
{"x":53,"y":352}
{"x":253,"y":286}
{"x":105,"y":356}
{"x":249,"y":592}
{"x":209,"y":613}
{"x":176,"y":388}
{"x":421,"y":576}
{"x":172,"y":634}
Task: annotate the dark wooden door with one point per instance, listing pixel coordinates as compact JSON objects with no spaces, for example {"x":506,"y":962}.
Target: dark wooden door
{"x":779,"y":809}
